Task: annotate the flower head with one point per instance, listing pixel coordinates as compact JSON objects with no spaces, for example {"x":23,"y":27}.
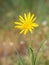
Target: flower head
{"x":27,"y":23}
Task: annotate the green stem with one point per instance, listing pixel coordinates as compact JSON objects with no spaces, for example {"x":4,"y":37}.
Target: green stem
{"x":38,"y":51}
{"x":32,"y":56}
{"x":31,"y":53}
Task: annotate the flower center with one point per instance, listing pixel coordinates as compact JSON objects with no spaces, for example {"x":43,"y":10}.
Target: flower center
{"x":27,"y":25}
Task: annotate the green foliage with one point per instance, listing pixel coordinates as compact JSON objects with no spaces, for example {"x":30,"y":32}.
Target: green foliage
{"x":32,"y":56}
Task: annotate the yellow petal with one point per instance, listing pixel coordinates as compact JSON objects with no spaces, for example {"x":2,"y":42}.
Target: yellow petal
{"x":19,"y":23}
{"x":18,"y":27}
{"x":25,"y":16}
{"x":35,"y":25}
{"x":21,"y":31}
{"x":30,"y":30}
{"x":34,"y":19}
{"x":29,"y":15}
{"x":25,"y":31}
{"x":21,"y":19}
{"x":32,"y":16}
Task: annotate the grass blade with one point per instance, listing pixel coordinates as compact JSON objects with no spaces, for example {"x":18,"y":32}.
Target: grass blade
{"x":32,"y":56}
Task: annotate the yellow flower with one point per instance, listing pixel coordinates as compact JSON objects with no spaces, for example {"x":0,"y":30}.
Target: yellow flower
{"x":27,"y":23}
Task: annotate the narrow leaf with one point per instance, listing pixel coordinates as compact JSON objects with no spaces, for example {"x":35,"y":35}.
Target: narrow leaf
{"x":32,"y":56}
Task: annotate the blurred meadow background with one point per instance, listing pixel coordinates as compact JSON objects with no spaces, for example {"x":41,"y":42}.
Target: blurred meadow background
{"x":11,"y":40}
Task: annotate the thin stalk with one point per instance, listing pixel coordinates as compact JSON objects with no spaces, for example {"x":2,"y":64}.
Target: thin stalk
{"x":38,"y":51}
{"x":31,"y":53}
